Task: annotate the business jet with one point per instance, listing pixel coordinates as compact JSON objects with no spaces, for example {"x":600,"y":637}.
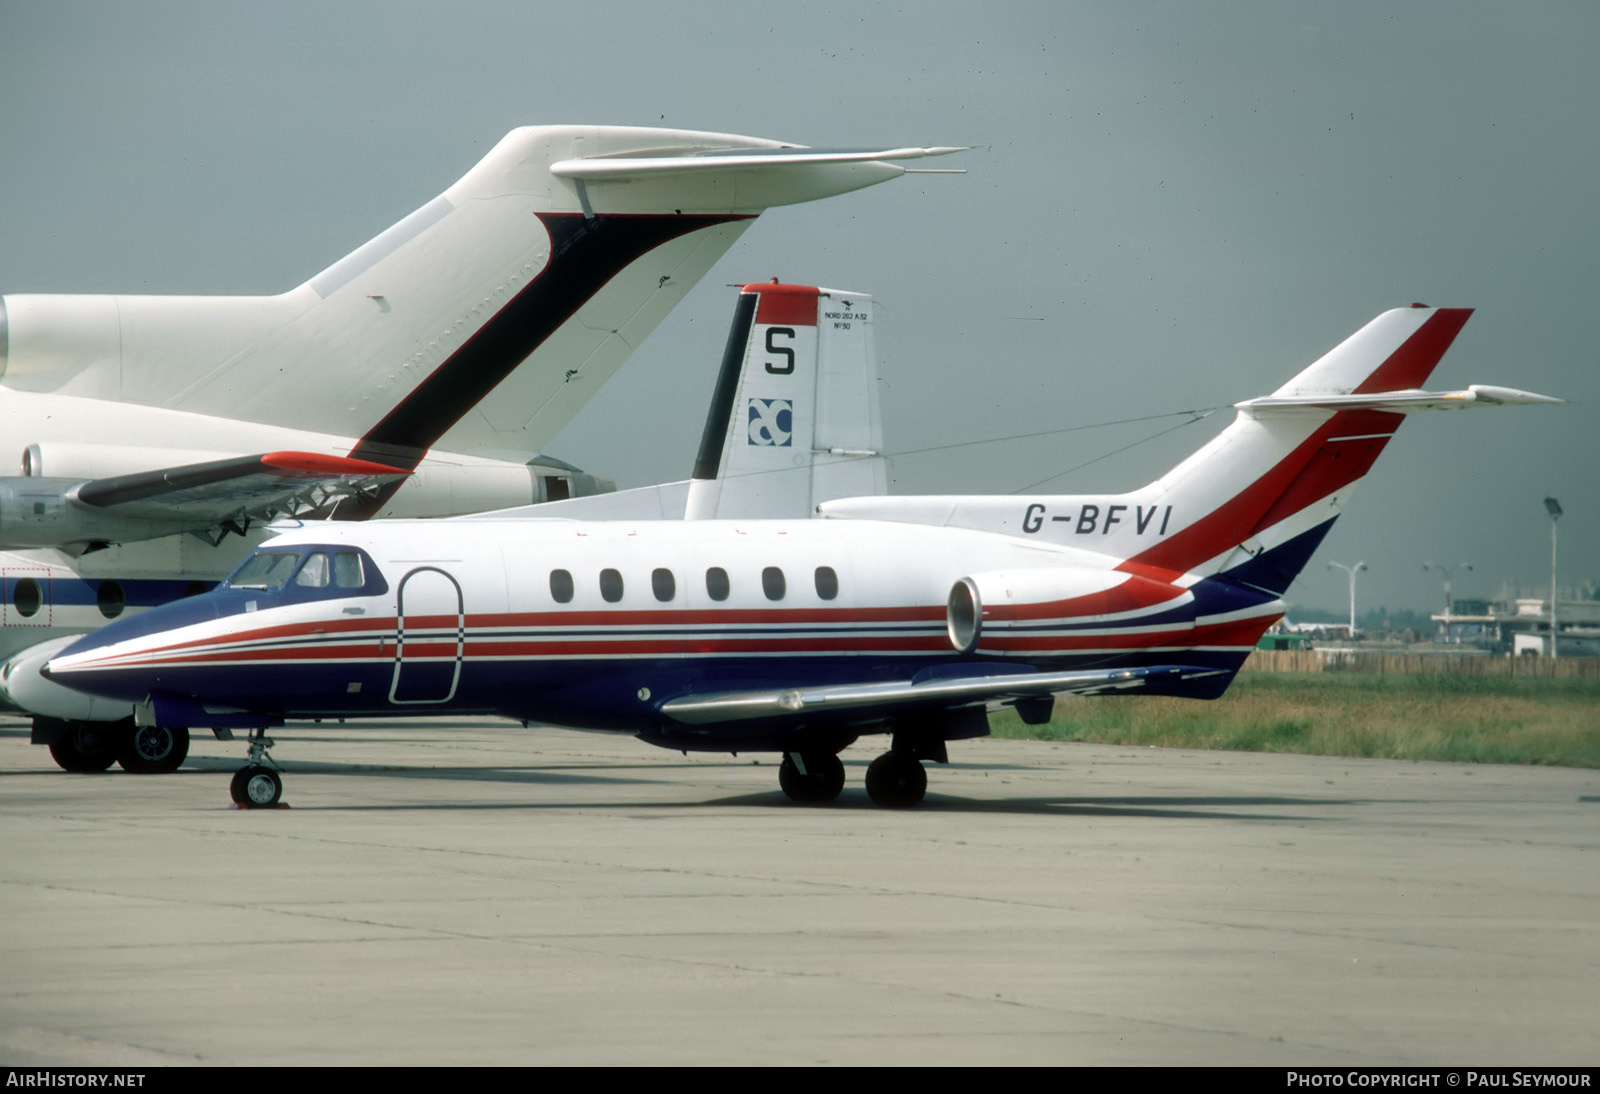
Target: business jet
{"x":904,"y":616}
{"x":158,"y":435}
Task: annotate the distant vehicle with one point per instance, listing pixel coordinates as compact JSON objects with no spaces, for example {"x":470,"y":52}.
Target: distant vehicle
{"x":157,"y":435}
{"x":899,"y":615}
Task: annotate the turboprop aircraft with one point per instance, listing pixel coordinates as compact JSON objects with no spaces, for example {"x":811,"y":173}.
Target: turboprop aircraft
{"x":899,"y":615}
{"x":151,"y":429}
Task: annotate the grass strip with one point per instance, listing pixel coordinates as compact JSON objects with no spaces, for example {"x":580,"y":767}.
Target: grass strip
{"x":1463,"y":719}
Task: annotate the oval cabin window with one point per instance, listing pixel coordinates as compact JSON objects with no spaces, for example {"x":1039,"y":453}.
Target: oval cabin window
{"x":26,"y":597}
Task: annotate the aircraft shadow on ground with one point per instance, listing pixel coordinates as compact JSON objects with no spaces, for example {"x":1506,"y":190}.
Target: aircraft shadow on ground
{"x":1175,"y":806}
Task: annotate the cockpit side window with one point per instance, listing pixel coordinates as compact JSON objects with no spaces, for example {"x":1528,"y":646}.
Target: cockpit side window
{"x":348,"y":573}
{"x":314,"y":574}
{"x":265,"y":570}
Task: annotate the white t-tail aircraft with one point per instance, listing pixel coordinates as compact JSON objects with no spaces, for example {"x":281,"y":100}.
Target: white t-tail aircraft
{"x":152,"y":428}
{"x":907,"y":616}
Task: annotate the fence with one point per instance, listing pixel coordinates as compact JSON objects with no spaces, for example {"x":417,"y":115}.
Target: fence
{"x":1418,"y":664}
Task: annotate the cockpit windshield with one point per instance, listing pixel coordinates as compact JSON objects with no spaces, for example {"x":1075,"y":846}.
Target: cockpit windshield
{"x":327,"y":571}
{"x":265,"y":570}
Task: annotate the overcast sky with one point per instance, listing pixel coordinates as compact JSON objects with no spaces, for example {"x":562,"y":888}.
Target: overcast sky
{"x":1172,"y":206}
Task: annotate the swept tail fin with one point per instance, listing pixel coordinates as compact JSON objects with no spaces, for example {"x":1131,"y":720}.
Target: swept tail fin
{"x":532,"y":277}
{"x":1256,"y":501}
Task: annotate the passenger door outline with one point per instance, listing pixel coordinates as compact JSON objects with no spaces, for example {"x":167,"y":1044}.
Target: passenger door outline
{"x":421,"y":679}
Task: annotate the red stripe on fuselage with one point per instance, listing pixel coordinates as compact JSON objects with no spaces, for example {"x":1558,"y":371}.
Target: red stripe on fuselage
{"x":1238,"y":633}
{"x":1134,"y":594}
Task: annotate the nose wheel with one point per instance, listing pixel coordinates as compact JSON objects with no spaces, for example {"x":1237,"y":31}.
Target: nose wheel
{"x":257,"y":786}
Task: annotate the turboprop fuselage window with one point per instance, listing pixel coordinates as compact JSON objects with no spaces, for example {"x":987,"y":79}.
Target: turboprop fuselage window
{"x":827,"y":582}
{"x":26,"y":597}
{"x":561,"y":586}
{"x":610,"y":586}
{"x":772,"y":583}
{"x":663,"y":584}
{"x":717,"y":583}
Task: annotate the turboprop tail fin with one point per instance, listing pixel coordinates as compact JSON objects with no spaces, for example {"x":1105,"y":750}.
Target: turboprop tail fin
{"x":794,"y":420}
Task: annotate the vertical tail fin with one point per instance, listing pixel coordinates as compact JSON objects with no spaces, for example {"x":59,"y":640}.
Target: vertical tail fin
{"x":1256,"y":501}
{"x":532,"y":277}
{"x":794,"y":420}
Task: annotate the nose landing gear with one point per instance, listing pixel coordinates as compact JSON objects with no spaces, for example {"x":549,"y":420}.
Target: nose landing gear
{"x":257,"y":786}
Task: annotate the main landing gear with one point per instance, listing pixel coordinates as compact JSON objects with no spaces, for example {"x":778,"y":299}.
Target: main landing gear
{"x":154,"y":750}
{"x":895,"y":780}
{"x":811,"y":777}
{"x":257,"y":786}
{"x":94,"y":746}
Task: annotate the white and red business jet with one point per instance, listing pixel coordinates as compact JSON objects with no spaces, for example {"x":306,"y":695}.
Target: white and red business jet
{"x":908,"y":616}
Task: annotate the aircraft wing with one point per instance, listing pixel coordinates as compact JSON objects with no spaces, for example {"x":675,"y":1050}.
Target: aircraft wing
{"x":940,"y":692}
{"x":206,"y":493}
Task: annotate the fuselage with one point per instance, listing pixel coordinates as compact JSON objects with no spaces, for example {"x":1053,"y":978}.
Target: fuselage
{"x":597,"y":624}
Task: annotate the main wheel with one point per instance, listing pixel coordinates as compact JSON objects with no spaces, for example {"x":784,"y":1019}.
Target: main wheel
{"x":896,"y":780}
{"x":821,"y":781}
{"x":154,"y":750}
{"x":256,"y":787}
{"x":86,"y":747}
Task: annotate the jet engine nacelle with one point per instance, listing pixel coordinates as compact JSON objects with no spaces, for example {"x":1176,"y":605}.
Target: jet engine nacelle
{"x":79,"y":462}
{"x":1010,"y":603}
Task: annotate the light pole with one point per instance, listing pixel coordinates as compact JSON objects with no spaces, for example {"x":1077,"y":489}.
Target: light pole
{"x":1553,"y":507}
{"x":1448,"y":570}
{"x":1352,"y":571}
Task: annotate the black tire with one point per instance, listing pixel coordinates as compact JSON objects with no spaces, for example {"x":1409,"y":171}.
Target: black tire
{"x":822,"y":781}
{"x":153,"y":750}
{"x":86,"y":747}
{"x":896,"y":780}
{"x":256,"y":787}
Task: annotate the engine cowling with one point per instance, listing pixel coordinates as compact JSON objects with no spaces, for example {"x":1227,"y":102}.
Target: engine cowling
{"x":81,"y":461}
{"x":1008,"y":611}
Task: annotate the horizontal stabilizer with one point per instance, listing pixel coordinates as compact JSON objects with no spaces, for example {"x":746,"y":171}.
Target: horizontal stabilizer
{"x":944,"y":692}
{"x":1403,"y":402}
{"x":741,"y":159}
